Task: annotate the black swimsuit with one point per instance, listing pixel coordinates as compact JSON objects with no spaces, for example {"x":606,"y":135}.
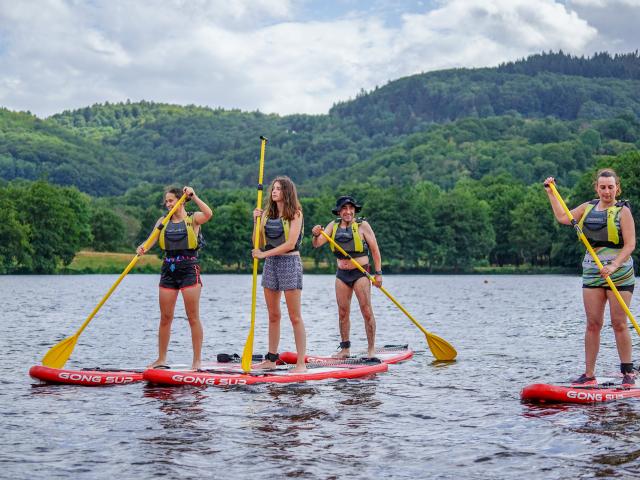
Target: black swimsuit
{"x":350,"y":277}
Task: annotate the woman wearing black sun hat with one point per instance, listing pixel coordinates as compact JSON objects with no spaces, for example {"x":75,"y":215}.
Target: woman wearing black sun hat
{"x":356,"y":237}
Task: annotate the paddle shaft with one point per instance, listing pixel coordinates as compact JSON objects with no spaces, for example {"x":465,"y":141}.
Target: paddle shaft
{"x":372,"y":280}
{"x":247,"y":353}
{"x":593,"y":254}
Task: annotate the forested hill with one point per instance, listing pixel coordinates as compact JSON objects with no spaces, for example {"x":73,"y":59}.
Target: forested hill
{"x":625,"y":65}
{"x":534,"y":88}
{"x":442,"y":126}
{"x":31,"y":148}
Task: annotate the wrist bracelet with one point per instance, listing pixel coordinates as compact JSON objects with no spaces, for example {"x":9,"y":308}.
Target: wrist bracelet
{"x":378,"y":272}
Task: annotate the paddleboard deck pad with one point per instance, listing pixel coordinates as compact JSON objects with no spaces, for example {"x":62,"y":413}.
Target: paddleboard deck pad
{"x":388,"y":354}
{"x":232,"y":374}
{"x":608,"y":389}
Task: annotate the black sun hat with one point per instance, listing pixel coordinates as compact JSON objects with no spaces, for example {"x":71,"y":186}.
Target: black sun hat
{"x":342,"y":201}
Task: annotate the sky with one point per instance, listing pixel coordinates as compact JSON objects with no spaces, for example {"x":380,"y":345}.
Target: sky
{"x":276,"y":56}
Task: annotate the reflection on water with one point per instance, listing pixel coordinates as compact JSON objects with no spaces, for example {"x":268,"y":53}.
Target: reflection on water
{"x":420,"y":419}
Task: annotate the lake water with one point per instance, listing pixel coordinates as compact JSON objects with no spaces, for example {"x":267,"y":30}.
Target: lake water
{"x":421,"y":419}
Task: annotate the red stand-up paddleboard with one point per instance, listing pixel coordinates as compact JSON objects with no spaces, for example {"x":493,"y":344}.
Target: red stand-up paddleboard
{"x":96,"y":376}
{"x":87,"y":378}
{"x":233,"y":374}
{"x":387,"y":354}
{"x":608,"y":389}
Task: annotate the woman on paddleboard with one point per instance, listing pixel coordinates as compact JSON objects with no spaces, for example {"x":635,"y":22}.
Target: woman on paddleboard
{"x":356,"y":237}
{"x":280,"y":236}
{"x":609,"y":227}
{"x":180,"y":270}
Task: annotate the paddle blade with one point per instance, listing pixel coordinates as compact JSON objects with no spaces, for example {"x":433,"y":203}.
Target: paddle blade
{"x":58,"y":355}
{"x":247,"y":353}
{"x":440,"y":348}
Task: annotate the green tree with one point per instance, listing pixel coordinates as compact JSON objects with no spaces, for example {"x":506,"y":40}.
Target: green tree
{"x":317,"y":211}
{"x":108,"y":230}
{"x":503,"y":194}
{"x":228,"y":235}
{"x":534,"y":228}
{"x":464,"y":228}
{"x":59,"y":223}
{"x":15,"y":249}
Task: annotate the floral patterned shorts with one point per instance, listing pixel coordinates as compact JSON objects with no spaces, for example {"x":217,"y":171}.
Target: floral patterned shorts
{"x":282,"y":272}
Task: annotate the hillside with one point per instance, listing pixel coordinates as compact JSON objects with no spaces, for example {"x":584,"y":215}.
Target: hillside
{"x":31,"y":148}
{"x":410,"y":104}
{"x":527,"y":149}
{"x":522,"y":118}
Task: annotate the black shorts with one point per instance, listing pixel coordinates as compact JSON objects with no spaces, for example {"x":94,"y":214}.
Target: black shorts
{"x":620,"y":288}
{"x":350,"y":277}
{"x":176,"y":275}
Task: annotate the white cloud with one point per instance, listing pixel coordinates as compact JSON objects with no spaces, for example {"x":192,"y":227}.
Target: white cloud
{"x":605,"y":3}
{"x":255,"y":54}
{"x":615,"y":20}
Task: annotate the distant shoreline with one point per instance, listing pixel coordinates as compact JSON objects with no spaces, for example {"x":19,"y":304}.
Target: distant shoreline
{"x":93,"y":263}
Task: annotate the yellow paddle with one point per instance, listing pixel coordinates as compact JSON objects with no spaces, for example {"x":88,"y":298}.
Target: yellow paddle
{"x":58,"y":355}
{"x":247,"y":353}
{"x":440,"y":348}
{"x":593,"y":254}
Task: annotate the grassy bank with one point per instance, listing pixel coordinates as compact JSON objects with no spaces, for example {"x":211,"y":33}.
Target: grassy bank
{"x":112,"y":262}
{"x":87,"y":261}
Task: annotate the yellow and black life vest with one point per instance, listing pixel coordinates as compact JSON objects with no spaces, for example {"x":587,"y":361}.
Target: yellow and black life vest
{"x":275,"y":232}
{"x":179,"y":236}
{"x":602,"y":228}
{"x":349,"y":239}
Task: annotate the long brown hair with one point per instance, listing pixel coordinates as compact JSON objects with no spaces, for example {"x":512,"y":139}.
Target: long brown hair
{"x":608,"y":172}
{"x":289,"y":196}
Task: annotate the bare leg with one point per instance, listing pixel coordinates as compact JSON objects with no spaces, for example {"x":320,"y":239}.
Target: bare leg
{"x":620,"y":325}
{"x":272,"y":299}
{"x":363,"y":293}
{"x":167,"y":298}
{"x":594,"y":302}
{"x":293,"y":298}
{"x":191,"y":298}
{"x":343,"y":297}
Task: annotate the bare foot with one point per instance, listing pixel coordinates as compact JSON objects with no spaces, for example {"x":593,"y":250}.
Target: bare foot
{"x":196,"y":365}
{"x":343,"y":353}
{"x":298,"y":369}
{"x":157,"y":363}
{"x":266,"y":365}
{"x":371,"y":352}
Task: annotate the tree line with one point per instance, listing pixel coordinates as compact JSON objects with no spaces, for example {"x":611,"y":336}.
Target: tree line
{"x":496,"y":220}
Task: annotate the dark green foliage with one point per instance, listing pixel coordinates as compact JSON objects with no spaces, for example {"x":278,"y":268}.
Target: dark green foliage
{"x":503,"y":194}
{"x":228,"y":235}
{"x":31,"y":149}
{"x":465,"y":232}
{"x":534,"y":228}
{"x":15,"y":249}
{"x":108,"y":230}
{"x":58,"y":220}
{"x":410,"y":104}
{"x":621,"y":65}
{"x":474,"y":148}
